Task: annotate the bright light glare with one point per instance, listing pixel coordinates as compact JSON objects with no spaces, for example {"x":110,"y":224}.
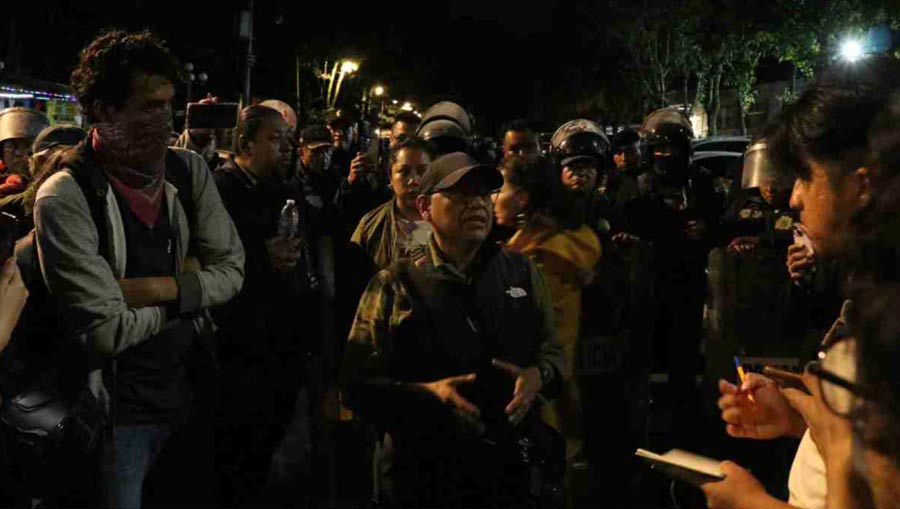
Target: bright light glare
{"x":851,"y":50}
{"x":406,"y":107}
{"x":379,"y":91}
{"x":349,"y":67}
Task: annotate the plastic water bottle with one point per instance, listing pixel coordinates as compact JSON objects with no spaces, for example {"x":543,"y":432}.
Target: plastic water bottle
{"x":290,"y":220}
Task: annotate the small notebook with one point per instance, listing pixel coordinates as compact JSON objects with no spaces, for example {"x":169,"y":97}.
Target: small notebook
{"x":683,"y":465}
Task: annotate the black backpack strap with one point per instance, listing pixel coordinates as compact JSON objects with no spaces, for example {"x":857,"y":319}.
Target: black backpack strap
{"x":178,"y":173}
{"x":94,"y":185}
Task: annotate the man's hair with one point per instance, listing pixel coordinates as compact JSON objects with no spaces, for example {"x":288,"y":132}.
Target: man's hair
{"x":413,"y":142}
{"x":875,"y":285}
{"x":407,"y":117}
{"x":519,"y":125}
{"x":532,"y":175}
{"x":107,"y":65}
{"x":250,"y":120}
{"x":830,"y":122}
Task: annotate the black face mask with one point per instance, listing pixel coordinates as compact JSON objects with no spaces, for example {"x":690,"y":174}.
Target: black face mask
{"x":672,"y":170}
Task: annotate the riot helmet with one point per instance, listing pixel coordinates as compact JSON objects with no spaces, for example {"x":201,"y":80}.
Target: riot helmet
{"x":18,"y":129}
{"x":21,"y":123}
{"x":447,"y":127}
{"x":580,"y":139}
{"x":760,"y":173}
{"x":667,"y":137}
{"x":580,"y":145}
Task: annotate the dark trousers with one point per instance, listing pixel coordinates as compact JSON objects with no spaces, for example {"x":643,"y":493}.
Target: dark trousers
{"x":127,"y":459}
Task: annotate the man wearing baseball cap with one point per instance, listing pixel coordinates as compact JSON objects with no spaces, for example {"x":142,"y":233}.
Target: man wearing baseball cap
{"x":449,"y":350}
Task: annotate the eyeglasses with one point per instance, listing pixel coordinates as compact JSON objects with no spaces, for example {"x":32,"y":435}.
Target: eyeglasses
{"x":836,"y":371}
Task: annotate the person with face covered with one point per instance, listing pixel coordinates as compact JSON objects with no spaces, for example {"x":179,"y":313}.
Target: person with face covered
{"x":675,"y":212}
{"x":458,"y":342}
{"x":268,"y":330}
{"x":320,"y":183}
{"x":826,"y":139}
{"x":113,"y":238}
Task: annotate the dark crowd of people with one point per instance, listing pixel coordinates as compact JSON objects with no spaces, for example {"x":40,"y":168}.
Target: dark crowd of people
{"x":278,"y":314}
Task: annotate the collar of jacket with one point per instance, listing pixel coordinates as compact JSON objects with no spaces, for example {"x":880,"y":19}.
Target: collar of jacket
{"x":231,"y":166}
{"x":447,"y":270}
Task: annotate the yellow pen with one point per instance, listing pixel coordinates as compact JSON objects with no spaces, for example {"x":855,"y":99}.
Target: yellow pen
{"x":742,"y":375}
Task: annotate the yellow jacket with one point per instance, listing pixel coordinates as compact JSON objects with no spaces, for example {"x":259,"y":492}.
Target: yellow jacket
{"x":566,"y":259}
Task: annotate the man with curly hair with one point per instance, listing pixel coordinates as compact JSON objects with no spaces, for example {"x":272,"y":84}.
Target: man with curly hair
{"x":133,"y":240}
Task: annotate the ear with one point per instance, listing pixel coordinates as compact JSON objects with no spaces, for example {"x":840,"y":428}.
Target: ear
{"x":423,"y":205}
{"x":522,"y":200}
{"x":243,"y":144}
{"x":863,"y":179}
{"x":104,"y":112}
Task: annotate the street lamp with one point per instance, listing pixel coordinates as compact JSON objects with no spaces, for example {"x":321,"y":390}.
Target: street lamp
{"x":379,"y":90}
{"x":347,"y":67}
{"x":852,"y":50}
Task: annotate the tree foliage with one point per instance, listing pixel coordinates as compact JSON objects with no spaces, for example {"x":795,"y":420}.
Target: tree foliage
{"x":701,"y":46}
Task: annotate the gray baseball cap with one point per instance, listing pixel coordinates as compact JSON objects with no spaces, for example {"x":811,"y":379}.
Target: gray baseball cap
{"x":447,"y":170}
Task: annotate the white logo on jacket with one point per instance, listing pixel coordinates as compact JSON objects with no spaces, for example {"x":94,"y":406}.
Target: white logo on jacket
{"x":516,"y":292}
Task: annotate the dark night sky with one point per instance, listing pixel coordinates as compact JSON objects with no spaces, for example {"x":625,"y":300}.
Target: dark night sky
{"x":499,"y":59}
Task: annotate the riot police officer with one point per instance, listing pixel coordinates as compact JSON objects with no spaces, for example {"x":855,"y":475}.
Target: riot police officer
{"x":761,"y":209}
{"x":580,"y":151}
{"x":18,"y":129}
{"x":675,"y":210}
{"x":447,"y":127}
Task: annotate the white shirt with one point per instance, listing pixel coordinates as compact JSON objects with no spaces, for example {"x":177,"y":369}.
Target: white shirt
{"x":807,"y":480}
{"x":806,"y":483}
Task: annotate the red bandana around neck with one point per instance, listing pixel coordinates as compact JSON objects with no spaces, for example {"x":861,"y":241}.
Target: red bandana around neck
{"x":141,"y":190}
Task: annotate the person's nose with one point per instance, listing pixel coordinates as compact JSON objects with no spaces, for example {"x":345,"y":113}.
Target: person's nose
{"x":796,"y":202}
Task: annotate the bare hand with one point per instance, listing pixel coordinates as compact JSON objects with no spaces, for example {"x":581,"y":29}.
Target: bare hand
{"x":623,"y":239}
{"x":739,"y":490}
{"x":745,"y":246}
{"x":209,"y":99}
{"x":528,"y":385}
{"x":283,"y":253}
{"x":445,"y":391}
{"x":770,"y":416}
{"x":13,"y":295}
{"x":831,"y":432}
{"x":359,"y":166}
{"x":800,"y":263}
{"x":695,"y":229}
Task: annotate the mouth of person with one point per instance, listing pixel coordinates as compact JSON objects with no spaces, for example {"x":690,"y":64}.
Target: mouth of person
{"x":475,"y":220}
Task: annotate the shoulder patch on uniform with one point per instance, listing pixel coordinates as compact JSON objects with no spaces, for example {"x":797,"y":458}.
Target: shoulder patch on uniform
{"x":515,"y":292}
{"x":784,"y":223}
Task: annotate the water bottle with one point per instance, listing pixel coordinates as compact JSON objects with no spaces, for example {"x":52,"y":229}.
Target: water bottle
{"x":290,"y":220}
